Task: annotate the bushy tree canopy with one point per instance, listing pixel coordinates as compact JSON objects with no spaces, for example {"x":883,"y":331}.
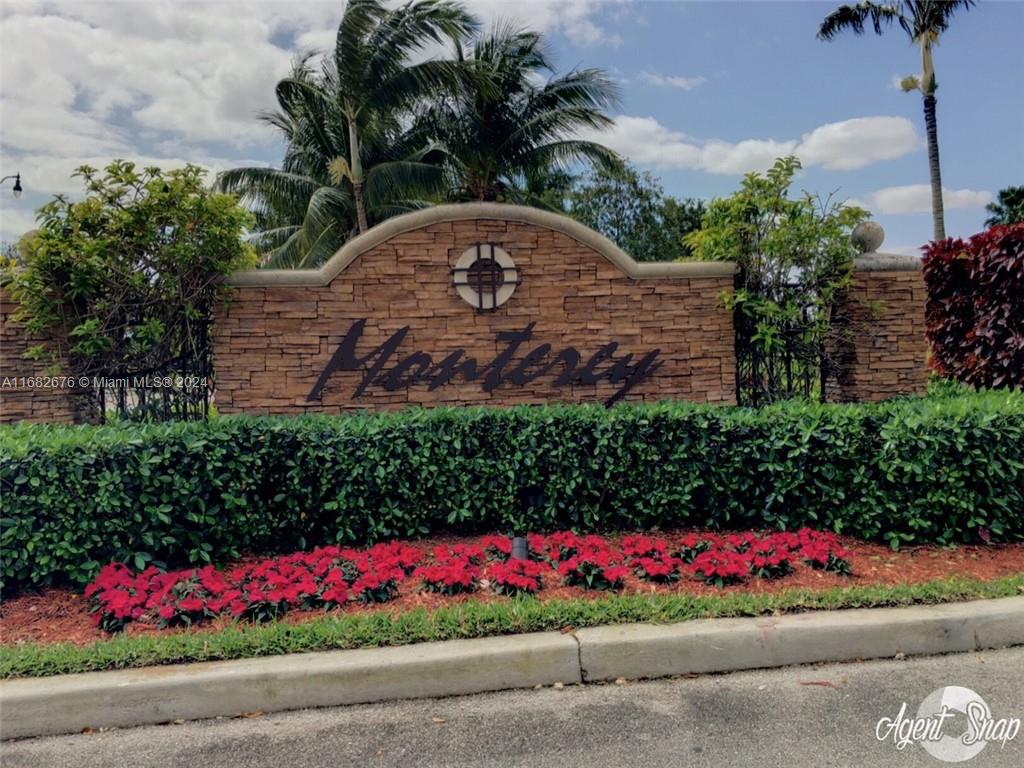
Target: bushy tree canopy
{"x":514,"y":119}
{"x":794,"y":256}
{"x":372,"y":131}
{"x":122,"y":282}
{"x":631,"y":209}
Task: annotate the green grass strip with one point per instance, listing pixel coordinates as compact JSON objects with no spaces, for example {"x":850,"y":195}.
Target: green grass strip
{"x":469,"y":620}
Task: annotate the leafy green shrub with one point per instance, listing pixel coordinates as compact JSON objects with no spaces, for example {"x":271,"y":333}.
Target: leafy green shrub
{"x":122,"y":284}
{"x":794,"y":256}
{"x":937,"y":469}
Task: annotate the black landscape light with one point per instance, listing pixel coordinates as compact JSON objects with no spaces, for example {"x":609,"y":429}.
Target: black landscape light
{"x":519,"y":549}
{"x":17,"y":183}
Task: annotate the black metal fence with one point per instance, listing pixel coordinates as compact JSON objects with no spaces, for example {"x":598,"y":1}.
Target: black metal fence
{"x":178,"y":389}
{"x":793,"y":363}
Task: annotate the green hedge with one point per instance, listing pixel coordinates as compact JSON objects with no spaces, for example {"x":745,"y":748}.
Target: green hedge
{"x":940,"y":469}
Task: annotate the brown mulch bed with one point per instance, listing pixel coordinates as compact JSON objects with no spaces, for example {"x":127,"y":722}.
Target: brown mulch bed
{"x":62,"y":615}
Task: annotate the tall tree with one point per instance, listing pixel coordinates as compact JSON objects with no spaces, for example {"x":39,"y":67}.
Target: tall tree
{"x":372,"y":75}
{"x":514,"y":121}
{"x":923,"y":21}
{"x":1008,"y":207}
{"x":356,"y":150}
{"x":631,"y":209}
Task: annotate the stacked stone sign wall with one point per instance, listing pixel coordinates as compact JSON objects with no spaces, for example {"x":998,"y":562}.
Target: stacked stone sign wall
{"x":30,"y":389}
{"x":399,"y":317}
{"x":384,"y":324}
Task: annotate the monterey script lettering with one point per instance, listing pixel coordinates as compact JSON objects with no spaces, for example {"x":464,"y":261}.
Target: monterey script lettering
{"x":419,"y":367}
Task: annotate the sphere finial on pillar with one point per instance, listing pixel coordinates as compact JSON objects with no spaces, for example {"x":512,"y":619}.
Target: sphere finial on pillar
{"x":868,"y":236}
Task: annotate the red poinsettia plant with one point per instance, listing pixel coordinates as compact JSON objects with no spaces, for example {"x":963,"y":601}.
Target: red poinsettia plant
{"x":650,"y":559}
{"x":721,"y":567}
{"x":588,"y":561}
{"x":454,"y":570}
{"x":822,"y":550}
{"x":331,"y":577}
{"x":514,"y":577}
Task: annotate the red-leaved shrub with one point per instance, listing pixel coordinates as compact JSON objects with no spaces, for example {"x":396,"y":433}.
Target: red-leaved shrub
{"x":975,"y":312}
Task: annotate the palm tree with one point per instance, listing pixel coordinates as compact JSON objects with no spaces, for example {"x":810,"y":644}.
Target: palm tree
{"x":923,"y":21}
{"x":356,"y":150}
{"x":511,"y":125}
{"x":307,"y":209}
{"x":1008,"y":208}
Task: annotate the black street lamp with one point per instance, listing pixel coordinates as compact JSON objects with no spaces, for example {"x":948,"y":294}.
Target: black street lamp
{"x":17,"y":183}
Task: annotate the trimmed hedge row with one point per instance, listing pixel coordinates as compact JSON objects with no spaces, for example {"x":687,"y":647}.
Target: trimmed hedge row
{"x":942,"y":469}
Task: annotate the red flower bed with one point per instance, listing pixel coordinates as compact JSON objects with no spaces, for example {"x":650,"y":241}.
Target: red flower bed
{"x":330,"y":577}
{"x":721,"y":567}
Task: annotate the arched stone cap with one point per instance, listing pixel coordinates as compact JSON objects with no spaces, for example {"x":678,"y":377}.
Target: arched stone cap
{"x":468,"y":211}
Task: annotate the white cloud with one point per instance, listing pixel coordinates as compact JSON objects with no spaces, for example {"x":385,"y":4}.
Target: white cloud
{"x":95,"y":77}
{"x":162,"y":81}
{"x":846,"y":145}
{"x":852,"y":144}
{"x":744,"y":156}
{"x":646,"y":141}
{"x":14,"y":222}
{"x":154,"y":69}
{"x":917,"y":198}
{"x":673,"y":81}
{"x":576,"y":19}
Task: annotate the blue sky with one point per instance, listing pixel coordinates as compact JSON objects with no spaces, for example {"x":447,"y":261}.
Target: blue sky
{"x":710,"y":90}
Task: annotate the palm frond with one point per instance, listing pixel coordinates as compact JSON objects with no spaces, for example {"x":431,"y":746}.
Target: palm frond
{"x":857,"y":16}
{"x":266,"y":241}
{"x":391,"y":180}
{"x":933,"y":16}
{"x":411,"y":84}
{"x":406,"y":30}
{"x":350,"y":51}
{"x":565,"y":153}
{"x":268,"y":187}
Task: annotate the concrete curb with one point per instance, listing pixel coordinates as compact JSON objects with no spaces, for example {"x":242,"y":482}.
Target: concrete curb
{"x":725,"y":645}
{"x":69,"y":703}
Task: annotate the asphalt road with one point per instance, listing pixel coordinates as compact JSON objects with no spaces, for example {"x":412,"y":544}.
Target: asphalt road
{"x":821,"y":715}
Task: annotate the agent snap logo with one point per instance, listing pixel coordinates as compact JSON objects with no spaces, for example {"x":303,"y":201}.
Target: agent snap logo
{"x":940,"y":718}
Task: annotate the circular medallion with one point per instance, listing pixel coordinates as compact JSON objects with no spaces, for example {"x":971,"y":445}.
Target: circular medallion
{"x":485,"y":276}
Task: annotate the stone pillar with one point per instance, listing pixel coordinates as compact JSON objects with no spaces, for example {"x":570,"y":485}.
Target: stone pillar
{"x":31,"y":400}
{"x":884,"y":351}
